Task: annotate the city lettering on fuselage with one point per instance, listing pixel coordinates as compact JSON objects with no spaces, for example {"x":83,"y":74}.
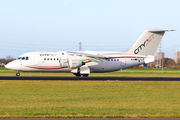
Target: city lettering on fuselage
{"x":146,"y":42}
{"x":48,"y":54}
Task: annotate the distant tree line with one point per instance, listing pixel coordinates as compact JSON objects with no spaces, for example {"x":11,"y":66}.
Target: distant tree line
{"x":166,"y":63}
{"x":4,"y":61}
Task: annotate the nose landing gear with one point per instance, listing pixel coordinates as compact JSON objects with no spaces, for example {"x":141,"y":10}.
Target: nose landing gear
{"x":17,"y":74}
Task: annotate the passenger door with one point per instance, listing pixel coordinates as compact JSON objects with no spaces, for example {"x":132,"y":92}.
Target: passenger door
{"x":35,"y":61}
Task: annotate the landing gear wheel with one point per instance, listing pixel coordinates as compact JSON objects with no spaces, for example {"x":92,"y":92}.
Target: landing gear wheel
{"x":18,"y":74}
{"x":85,"y":75}
{"x":77,"y":74}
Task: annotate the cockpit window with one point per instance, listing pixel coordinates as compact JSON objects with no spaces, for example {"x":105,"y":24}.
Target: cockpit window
{"x":19,"y":58}
{"x":23,"y":58}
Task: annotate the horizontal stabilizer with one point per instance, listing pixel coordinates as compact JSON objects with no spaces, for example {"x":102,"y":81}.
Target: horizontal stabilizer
{"x":149,"y":59}
{"x":158,"y":30}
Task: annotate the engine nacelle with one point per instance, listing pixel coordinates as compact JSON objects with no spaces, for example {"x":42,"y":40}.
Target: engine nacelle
{"x":64,"y":63}
{"x":73,"y":63}
{"x":70,"y":63}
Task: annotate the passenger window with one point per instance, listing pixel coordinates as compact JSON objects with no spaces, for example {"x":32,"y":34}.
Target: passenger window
{"x":57,"y":59}
{"x":44,"y":58}
{"x":117,"y":59}
{"x":111,"y":59}
{"x":27,"y":58}
{"x":54,"y":58}
{"x":47,"y":58}
{"x":51,"y":58}
{"x":114,"y":59}
{"x":62,"y":53}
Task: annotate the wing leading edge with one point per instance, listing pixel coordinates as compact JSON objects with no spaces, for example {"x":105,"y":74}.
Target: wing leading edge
{"x":92,"y":57}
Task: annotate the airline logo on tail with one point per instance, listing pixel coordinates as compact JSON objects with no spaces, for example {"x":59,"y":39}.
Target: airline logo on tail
{"x":146,"y":42}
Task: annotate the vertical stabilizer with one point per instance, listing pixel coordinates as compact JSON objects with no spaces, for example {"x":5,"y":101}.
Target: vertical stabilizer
{"x":147,"y":43}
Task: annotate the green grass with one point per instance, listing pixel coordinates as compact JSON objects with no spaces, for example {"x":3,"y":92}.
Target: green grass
{"x":121,"y":73}
{"x":87,"y":99}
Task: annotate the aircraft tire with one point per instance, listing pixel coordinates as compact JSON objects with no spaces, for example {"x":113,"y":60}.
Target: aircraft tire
{"x":85,"y":75}
{"x":17,"y":74}
{"x":77,"y":74}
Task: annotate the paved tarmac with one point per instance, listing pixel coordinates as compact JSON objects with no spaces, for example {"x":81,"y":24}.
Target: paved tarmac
{"x":95,"y":119}
{"x":92,"y":78}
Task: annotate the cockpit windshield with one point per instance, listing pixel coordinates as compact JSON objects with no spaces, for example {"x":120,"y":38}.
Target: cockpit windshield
{"x":19,"y":58}
{"x":23,"y":58}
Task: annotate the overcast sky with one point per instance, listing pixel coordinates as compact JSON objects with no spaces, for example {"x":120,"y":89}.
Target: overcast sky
{"x":101,"y":25}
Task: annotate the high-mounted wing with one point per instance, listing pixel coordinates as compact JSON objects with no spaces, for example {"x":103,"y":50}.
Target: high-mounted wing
{"x":91,"y":57}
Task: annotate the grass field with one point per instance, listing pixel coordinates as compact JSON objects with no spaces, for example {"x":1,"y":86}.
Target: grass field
{"x":89,"y":99}
{"x":122,"y":73}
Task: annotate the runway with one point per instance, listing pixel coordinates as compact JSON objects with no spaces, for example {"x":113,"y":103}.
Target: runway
{"x":93,"y":118}
{"x":92,"y":78}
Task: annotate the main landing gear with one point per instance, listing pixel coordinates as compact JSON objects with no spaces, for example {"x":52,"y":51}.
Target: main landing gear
{"x":79,"y":75}
{"x":17,"y":74}
{"x":80,"y":71}
{"x":85,"y":75}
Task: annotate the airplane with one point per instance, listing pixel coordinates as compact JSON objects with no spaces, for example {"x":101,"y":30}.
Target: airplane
{"x":82,"y":63}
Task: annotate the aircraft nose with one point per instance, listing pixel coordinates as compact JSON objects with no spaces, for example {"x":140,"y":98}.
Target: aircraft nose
{"x":8,"y":66}
{"x":14,"y":65}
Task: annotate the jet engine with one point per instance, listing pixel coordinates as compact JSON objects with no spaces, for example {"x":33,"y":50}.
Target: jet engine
{"x":64,"y":63}
{"x":71,"y":63}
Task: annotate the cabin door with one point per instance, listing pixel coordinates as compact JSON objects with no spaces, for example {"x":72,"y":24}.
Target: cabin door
{"x":35,"y":61}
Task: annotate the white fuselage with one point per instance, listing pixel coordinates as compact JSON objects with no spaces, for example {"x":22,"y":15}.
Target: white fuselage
{"x":50,"y":62}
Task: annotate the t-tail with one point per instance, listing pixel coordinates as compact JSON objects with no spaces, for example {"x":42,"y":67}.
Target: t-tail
{"x":147,"y":43}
